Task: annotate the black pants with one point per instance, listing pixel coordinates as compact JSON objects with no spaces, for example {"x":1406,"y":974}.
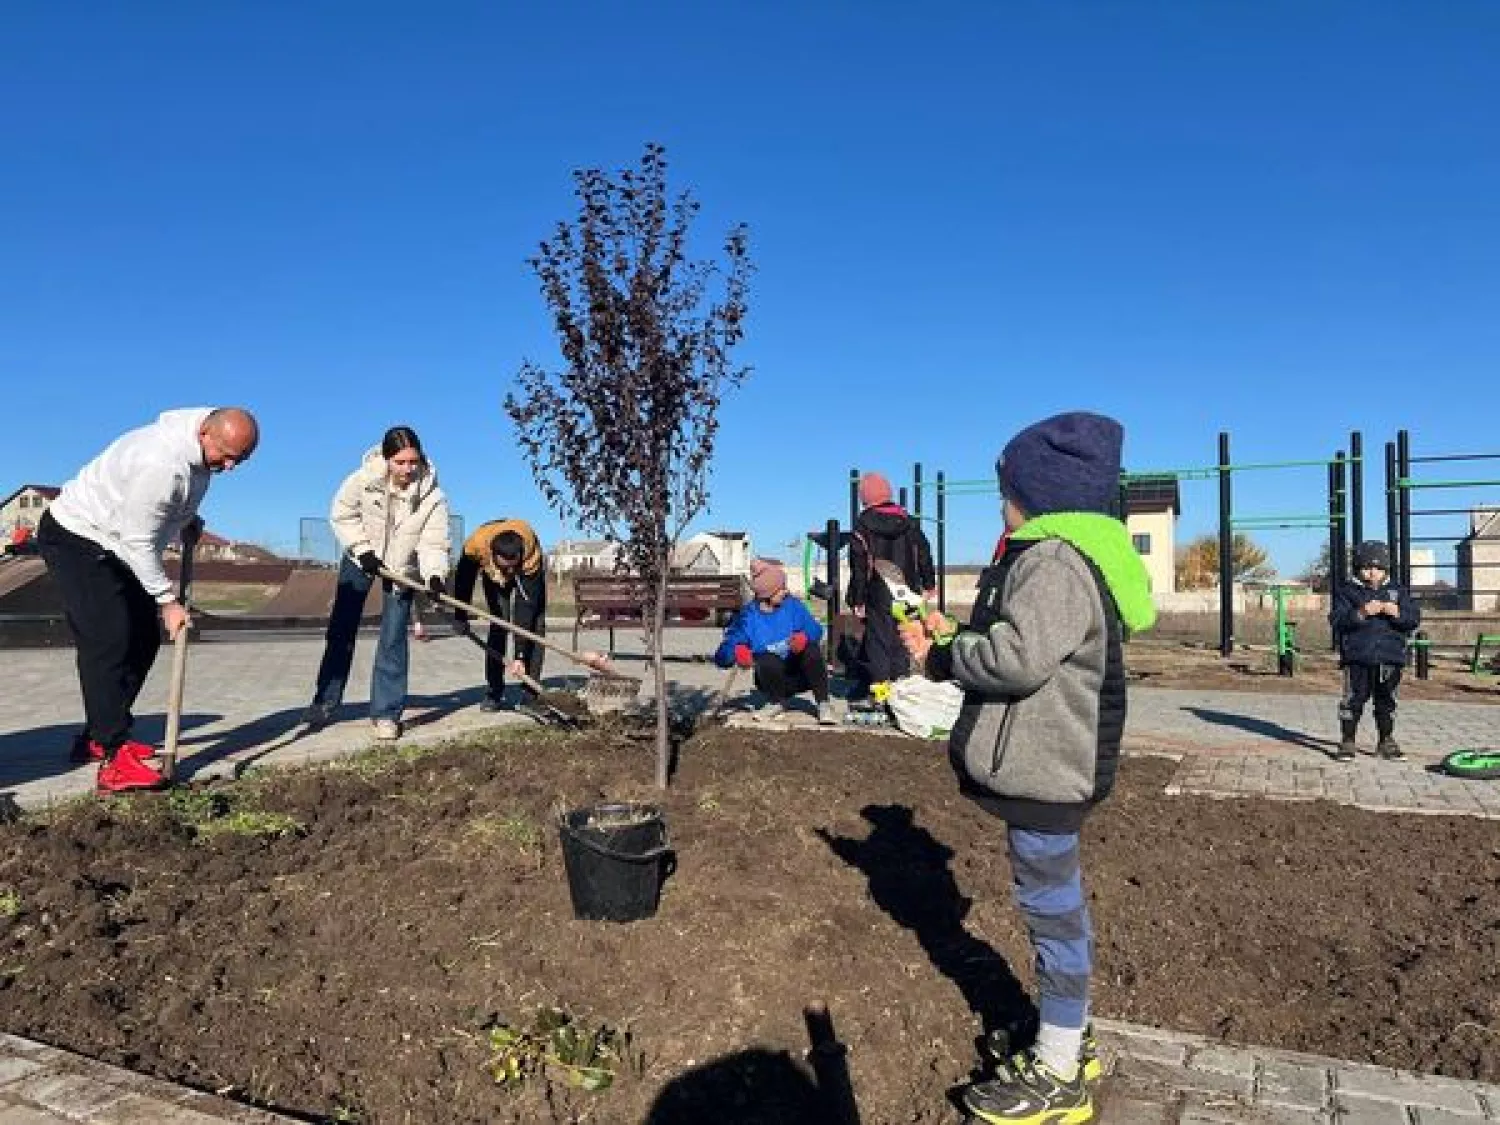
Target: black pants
{"x":883,"y":655}
{"x":783,"y":677}
{"x":524,"y":603}
{"x":1365,"y":681}
{"x":114,"y":623}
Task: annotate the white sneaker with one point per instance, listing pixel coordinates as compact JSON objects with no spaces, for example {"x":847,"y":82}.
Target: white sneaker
{"x":318,"y":715}
{"x":387,"y":730}
{"x":827,"y":716}
{"x":770,"y":713}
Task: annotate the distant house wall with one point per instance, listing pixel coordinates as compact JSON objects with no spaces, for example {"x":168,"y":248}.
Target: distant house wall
{"x":24,"y":508}
{"x":1153,"y":533}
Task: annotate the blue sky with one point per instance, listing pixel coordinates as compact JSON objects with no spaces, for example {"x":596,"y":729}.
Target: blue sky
{"x":1279,"y":219}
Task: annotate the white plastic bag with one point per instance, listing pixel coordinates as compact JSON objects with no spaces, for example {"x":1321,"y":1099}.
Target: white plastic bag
{"x":925,"y":708}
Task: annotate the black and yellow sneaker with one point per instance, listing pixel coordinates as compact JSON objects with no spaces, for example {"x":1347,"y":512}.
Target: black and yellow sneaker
{"x":997,"y":1046}
{"x":1031,"y":1093}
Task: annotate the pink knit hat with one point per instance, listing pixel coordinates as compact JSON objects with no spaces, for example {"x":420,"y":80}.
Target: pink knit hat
{"x":767,"y":576}
{"x":874,"y":489}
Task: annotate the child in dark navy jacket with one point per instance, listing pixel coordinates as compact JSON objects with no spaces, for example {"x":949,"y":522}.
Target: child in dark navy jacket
{"x":776,"y":635}
{"x":1371,"y":618}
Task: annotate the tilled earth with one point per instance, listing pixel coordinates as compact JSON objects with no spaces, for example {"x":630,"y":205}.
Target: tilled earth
{"x":349,"y":970}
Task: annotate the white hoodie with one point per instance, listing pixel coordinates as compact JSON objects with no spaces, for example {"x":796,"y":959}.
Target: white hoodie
{"x":134,"y":498}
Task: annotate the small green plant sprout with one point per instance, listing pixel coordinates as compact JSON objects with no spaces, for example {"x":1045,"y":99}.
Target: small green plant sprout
{"x":222,"y":812}
{"x":514,"y":828}
{"x":587,"y":1059}
{"x":10,"y":903}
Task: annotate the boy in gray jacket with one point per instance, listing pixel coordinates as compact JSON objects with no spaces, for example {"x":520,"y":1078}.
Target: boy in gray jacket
{"x":1038,"y":740}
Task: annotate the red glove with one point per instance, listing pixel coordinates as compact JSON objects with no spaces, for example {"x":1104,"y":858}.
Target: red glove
{"x":743,"y":656}
{"x":798,"y":641}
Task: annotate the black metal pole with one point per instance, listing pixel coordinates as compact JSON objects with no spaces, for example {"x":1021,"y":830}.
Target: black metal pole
{"x":1392,"y":519}
{"x":1341,"y":510}
{"x":853,"y":498}
{"x":1356,"y":488}
{"x":834,"y":594}
{"x":916,"y":488}
{"x":1335,"y":562}
{"x":901,"y":496}
{"x":1403,"y":503}
{"x":1226,"y":551}
{"x":1424,"y":655}
{"x":942,"y":543}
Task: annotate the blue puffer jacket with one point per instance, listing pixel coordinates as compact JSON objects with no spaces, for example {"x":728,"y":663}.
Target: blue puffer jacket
{"x":768,"y":632}
{"x":1372,"y":640}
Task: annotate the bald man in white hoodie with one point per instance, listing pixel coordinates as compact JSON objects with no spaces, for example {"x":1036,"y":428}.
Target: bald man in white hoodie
{"x":103,"y":540}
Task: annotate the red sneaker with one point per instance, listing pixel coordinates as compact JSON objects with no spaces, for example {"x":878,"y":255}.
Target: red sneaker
{"x":138,"y":750}
{"x":126,"y":773}
{"x":88,"y":750}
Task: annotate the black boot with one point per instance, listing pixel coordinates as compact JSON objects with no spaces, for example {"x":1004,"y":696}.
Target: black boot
{"x":1387,"y":747}
{"x":1346,"y":749}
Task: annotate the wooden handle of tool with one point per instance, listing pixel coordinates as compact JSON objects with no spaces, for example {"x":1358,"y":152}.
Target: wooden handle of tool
{"x":174,"y":703}
{"x":179,"y":663}
{"x":524,"y":677}
{"x":454,"y":603}
{"x":724,"y":692}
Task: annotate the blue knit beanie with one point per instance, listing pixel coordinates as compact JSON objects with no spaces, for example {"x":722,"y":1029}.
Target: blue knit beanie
{"x":1066,"y":463}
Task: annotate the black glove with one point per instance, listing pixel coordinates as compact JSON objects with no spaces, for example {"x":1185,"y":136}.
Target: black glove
{"x":435,"y":586}
{"x":370,"y":563}
{"x":460,"y":625}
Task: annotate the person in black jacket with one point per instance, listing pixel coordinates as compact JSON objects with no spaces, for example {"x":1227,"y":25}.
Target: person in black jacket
{"x":884,"y":530}
{"x":1371,"y":619}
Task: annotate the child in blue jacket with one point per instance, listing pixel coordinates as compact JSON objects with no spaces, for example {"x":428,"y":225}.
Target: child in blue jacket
{"x":1371,"y":618}
{"x":776,"y":635}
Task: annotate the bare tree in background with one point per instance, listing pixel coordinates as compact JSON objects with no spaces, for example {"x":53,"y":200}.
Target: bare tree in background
{"x":621,"y":439}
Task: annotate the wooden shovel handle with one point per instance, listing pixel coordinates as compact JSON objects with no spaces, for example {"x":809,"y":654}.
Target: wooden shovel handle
{"x":465,"y":607}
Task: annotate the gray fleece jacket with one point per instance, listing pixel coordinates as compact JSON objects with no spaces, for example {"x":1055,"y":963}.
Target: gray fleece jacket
{"x":1038,"y":739}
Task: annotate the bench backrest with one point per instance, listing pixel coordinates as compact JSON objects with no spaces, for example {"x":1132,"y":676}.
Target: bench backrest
{"x":686,"y":591}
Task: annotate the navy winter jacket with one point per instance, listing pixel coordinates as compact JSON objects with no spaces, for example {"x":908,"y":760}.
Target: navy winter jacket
{"x":1372,"y":640}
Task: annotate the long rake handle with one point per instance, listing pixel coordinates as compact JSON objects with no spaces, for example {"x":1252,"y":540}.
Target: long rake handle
{"x":465,"y":607}
{"x":556,"y":712}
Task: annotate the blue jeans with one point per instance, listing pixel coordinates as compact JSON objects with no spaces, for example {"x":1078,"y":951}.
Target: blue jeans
{"x":388,"y":680}
{"x":1048,"y":884}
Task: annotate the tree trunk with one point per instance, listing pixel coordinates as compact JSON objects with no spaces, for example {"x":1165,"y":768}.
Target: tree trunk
{"x":658,"y":628}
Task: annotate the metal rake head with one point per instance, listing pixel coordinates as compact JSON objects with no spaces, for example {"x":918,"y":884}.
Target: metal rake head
{"x":610,"y":691}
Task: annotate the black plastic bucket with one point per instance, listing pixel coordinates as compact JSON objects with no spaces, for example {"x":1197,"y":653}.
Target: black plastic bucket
{"x":617,"y":857}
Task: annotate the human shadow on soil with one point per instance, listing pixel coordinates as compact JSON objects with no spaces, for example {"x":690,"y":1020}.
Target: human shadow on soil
{"x":41,"y":752}
{"x":764,"y":1087}
{"x":910,"y":879}
{"x":1263,"y":727}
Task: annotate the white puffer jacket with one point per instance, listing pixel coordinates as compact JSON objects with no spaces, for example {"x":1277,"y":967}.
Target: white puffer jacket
{"x":407,"y":528}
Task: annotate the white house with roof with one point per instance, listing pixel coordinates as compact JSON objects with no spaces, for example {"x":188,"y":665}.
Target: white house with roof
{"x":23,"y":508}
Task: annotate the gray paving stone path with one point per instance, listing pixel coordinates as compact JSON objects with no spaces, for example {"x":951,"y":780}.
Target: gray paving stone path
{"x":244,"y":698}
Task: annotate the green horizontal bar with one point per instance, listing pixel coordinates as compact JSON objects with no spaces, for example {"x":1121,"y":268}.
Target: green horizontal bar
{"x":1321,"y":517}
{"x":1406,"y":482}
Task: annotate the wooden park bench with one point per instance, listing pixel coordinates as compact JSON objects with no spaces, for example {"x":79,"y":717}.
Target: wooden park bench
{"x":693,"y":600}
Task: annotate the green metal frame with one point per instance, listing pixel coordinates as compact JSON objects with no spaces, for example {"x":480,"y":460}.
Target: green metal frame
{"x":1482,"y":642}
{"x":1288,"y":655}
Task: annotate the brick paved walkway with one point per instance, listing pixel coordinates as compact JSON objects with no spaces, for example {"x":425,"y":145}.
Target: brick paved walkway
{"x":244,"y":698}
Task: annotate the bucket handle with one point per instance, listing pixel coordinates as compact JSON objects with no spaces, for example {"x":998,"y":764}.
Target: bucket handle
{"x":651,"y":856}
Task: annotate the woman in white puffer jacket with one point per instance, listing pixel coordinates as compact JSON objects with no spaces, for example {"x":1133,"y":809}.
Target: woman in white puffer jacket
{"x":388,"y":513}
